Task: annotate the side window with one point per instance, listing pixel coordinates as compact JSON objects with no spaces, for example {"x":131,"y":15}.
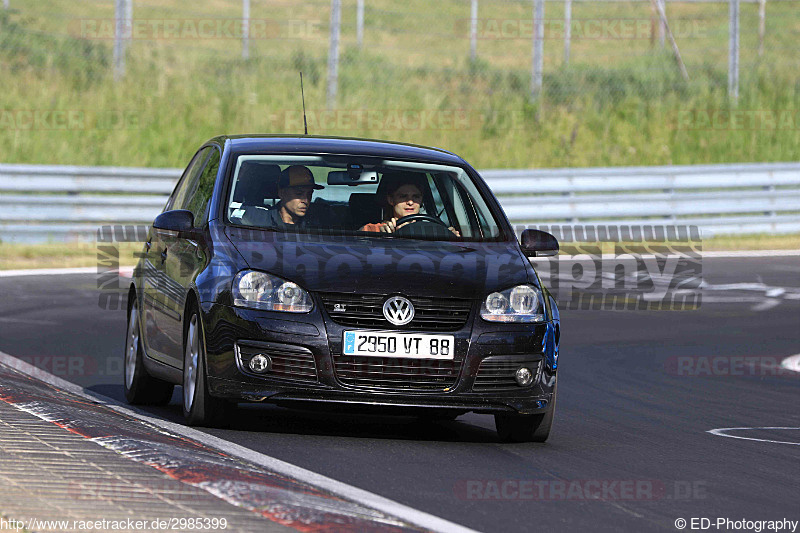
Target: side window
{"x":199,"y":194}
{"x":468,"y":198}
{"x":456,"y":204}
{"x":178,"y":198}
{"x":441,"y":212}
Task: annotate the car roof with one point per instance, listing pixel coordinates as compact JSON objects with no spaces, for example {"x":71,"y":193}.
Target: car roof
{"x":312,"y":144}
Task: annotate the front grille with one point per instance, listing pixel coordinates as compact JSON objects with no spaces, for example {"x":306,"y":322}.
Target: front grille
{"x":497,"y":373}
{"x":366,"y":310}
{"x":396,"y":373}
{"x":289,"y":362}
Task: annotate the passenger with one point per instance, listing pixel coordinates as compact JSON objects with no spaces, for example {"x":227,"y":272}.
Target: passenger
{"x":295,"y":189}
{"x":403,"y":198}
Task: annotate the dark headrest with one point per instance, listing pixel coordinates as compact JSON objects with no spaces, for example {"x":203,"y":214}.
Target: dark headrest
{"x":394,"y":179}
{"x":364,"y":201}
{"x":364,"y":209}
{"x":258,"y":180}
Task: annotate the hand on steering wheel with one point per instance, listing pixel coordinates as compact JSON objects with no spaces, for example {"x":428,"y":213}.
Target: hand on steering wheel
{"x":393,"y":224}
{"x":418,"y":217}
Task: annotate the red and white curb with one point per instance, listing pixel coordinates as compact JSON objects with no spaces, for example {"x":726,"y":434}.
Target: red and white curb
{"x":279,"y":491}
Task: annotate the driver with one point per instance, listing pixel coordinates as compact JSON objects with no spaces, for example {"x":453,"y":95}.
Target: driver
{"x":403,"y":198}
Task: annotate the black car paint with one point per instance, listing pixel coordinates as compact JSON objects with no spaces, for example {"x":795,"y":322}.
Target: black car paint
{"x":198,"y":272}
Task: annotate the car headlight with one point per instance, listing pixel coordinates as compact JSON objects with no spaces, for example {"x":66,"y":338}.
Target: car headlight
{"x":523,"y":303}
{"x":268,"y":292}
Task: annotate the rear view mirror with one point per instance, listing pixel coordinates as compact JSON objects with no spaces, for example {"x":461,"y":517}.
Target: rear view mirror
{"x":343,"y":177}
{"x":536,"y":243}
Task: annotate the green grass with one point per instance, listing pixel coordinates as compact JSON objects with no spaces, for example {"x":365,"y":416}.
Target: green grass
{"x":617,"y":103}
{"x":761,"y":241}
{"x":63,"y":255}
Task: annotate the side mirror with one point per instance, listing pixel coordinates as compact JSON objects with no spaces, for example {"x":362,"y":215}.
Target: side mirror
{"x":536,"y":243}
{"x":180,"y":221}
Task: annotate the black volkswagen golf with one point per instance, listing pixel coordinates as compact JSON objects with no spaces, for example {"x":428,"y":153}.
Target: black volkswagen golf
{"x":307,"y":270}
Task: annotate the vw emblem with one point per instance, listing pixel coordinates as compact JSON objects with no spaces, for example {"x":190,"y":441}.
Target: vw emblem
{"x":398,"y":310}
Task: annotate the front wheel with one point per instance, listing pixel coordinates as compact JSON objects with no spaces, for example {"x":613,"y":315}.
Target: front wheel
{"x":526,"y":428}
{"x":199,"y":407}
{"x":140,"y":387}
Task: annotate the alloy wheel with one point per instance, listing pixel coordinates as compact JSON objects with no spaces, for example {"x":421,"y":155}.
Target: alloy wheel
{"x":190,"y":361}
{"x":132,"y":346}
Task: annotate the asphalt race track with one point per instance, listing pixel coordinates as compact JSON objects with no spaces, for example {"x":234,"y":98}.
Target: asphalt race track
{"x":630,"y":449}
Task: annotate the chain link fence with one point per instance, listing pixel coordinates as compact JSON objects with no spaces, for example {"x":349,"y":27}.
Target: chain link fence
{"x":505,"y":82}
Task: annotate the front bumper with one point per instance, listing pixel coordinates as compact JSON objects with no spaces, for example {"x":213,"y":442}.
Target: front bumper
{"x":228,"y":377}
{"x":320,"y":396}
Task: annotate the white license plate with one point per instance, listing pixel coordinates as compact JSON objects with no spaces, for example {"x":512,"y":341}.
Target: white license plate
{"x":385,"y":344}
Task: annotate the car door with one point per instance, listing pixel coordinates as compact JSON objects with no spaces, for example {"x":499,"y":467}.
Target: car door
{"x":186,"y":257}
{"x":157,"y":290}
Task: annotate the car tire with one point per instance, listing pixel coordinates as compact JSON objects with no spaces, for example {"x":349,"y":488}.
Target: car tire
{"x":199,"y":407}
{"x":526,"y":428}
{"x":140,"y":387}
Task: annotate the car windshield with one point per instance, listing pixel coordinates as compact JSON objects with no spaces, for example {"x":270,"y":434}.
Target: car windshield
{"x":354,"y":195}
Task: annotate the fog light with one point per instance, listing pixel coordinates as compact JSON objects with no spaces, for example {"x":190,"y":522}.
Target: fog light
{"x":524,"y":376}
{"x":260,"y":364}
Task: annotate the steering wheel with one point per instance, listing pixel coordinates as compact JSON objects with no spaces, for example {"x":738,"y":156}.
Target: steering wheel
{"x":418,"y":217}
{"x":430,"y":227}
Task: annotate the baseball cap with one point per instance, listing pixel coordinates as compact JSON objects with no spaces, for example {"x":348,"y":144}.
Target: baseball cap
{"x":297,"y":176}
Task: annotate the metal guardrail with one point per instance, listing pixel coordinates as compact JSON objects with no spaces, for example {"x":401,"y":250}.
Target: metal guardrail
{"x":61,"y":203}
{"x":41,"y":203}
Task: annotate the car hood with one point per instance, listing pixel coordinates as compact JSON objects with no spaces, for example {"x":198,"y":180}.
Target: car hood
{"x":371,"y":265}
